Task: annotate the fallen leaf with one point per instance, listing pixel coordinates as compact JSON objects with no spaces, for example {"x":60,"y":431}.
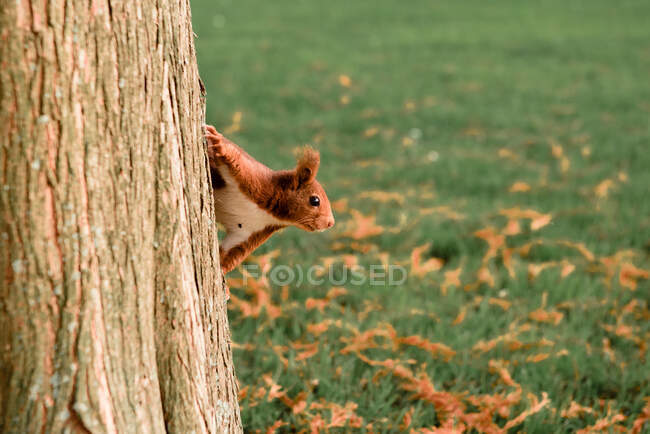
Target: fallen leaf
{"x":277,"y":425}
{"x":643,"y":418}
{"x":420,"y":269}
{"x":382,"y":196}
{"x":551,"y":316}
{"x":362,"y":226}
{"x":435,"y":348}
{"x":519,"y":187}
{"x":537,"y":357}
{"x":370,"y":132}
{"x":535,"y":408}
{"x":461,"y":316}
{"x":605,"y":424}
{"x":494,"y":239}
{"x":629,"y":275}
{"x":452,"y":278}
{"x":340,"y":205}
{"x":602,"y":189}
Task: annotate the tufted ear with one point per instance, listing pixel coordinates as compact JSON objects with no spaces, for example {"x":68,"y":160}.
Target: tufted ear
{"x":307,"y":166}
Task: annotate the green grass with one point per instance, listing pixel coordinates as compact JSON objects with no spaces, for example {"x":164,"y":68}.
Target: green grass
{"x":466,"y":99}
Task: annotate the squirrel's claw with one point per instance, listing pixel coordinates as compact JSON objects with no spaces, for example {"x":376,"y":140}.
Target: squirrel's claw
{"x":211,"y":129}
{"x":215,"y":142}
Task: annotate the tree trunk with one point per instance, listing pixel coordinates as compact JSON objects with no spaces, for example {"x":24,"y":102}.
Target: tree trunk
{"x":113,"y":315}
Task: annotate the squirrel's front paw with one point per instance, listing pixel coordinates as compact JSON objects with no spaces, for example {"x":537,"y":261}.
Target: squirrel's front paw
{"x":215,"y":141}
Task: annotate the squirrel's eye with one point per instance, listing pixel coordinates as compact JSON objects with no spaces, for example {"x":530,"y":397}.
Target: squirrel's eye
{"x":314,"y":201}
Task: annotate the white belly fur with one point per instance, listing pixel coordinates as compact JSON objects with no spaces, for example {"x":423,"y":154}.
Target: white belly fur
{"x":233,"y":208}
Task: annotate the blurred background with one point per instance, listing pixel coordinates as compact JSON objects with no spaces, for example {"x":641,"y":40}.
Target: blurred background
{"x":499,"y":152}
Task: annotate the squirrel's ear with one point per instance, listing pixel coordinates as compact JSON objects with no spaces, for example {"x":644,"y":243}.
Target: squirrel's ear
{"x":307,"y":166}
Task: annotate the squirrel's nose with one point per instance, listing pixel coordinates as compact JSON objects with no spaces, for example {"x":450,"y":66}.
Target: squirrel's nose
{"x":330,"y":223}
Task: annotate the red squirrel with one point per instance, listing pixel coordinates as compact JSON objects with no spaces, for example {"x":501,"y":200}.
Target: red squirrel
{"x":253,"y":201}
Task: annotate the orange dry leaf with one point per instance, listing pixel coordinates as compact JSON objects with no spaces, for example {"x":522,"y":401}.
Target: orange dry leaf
{"x":551,"y":316}
{"x":519,"y":187}
{"x":485,"y":276}
{"x":494,"y":239}
{"x":382,"y":196}
{"x":606,"y":424}
{"x":444,"y":210}
{"x":512,"y":228}
{"x":365,"y":340}
{"x":537,"y":357}
{"x":316,"y":424}
{"x":261,"y":300}
{"x":503,"y":304}
{"x":345,"y":416}
{"x":602,"y":189}
{"x":643,"y":418}
{"x":452,"y":278}
{"x":496,"y":366}
{"x":340,"y":205}
{"x":308,"y":350}
{"x":431,"y":264}
{"x":299,"y":403}
{"x":435,"y":348}
{"x":406,"y":420}
{"x":536,"y":407}
{"x":507,"y":153}
{"x":558,"y":153}
{"x":566,"y":268}
{"x":318,"y":328}
{"x":461,"y":316}
{"x":277,"y":425}
{"x":344,"y":80}
{"x":509,"y":338}
{"x":370,"y":132}
{"x":264,"y":261}
{"x":537,"y":219}
{"x":556,"y":149}
{"x":535,"y":269}
{"x":243,"y":393}
{"x":236,"y":123}
{"x":629,"y":275}
{"x":407,"y":142}
{"x":274,"y":390}
{"x":506,"y":257}
{"x":353,"y":245}
{"x":362,"y":226}
{"x":336,"y":291}
{"x":624,"y":331}
{"x":341,"y":415}
{"x":539,"y":222}
{"x":322,"y":303}
{"x":316,"y":303}
{"x":576,"y":410}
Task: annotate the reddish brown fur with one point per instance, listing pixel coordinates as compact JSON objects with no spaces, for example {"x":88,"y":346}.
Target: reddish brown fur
{"x":284,"y":194}
{"x":233,"y":257}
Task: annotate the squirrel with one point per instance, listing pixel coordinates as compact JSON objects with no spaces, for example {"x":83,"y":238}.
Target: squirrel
{"x":253,"y":201}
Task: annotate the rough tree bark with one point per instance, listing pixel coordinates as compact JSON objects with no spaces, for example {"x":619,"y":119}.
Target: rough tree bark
{"x":112,"y":312}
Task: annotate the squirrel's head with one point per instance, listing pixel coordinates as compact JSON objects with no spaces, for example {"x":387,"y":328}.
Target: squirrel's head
{"x":307,"y":203}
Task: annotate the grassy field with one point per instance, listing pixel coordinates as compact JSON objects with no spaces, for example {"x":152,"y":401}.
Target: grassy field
{"x":500,"y":153}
